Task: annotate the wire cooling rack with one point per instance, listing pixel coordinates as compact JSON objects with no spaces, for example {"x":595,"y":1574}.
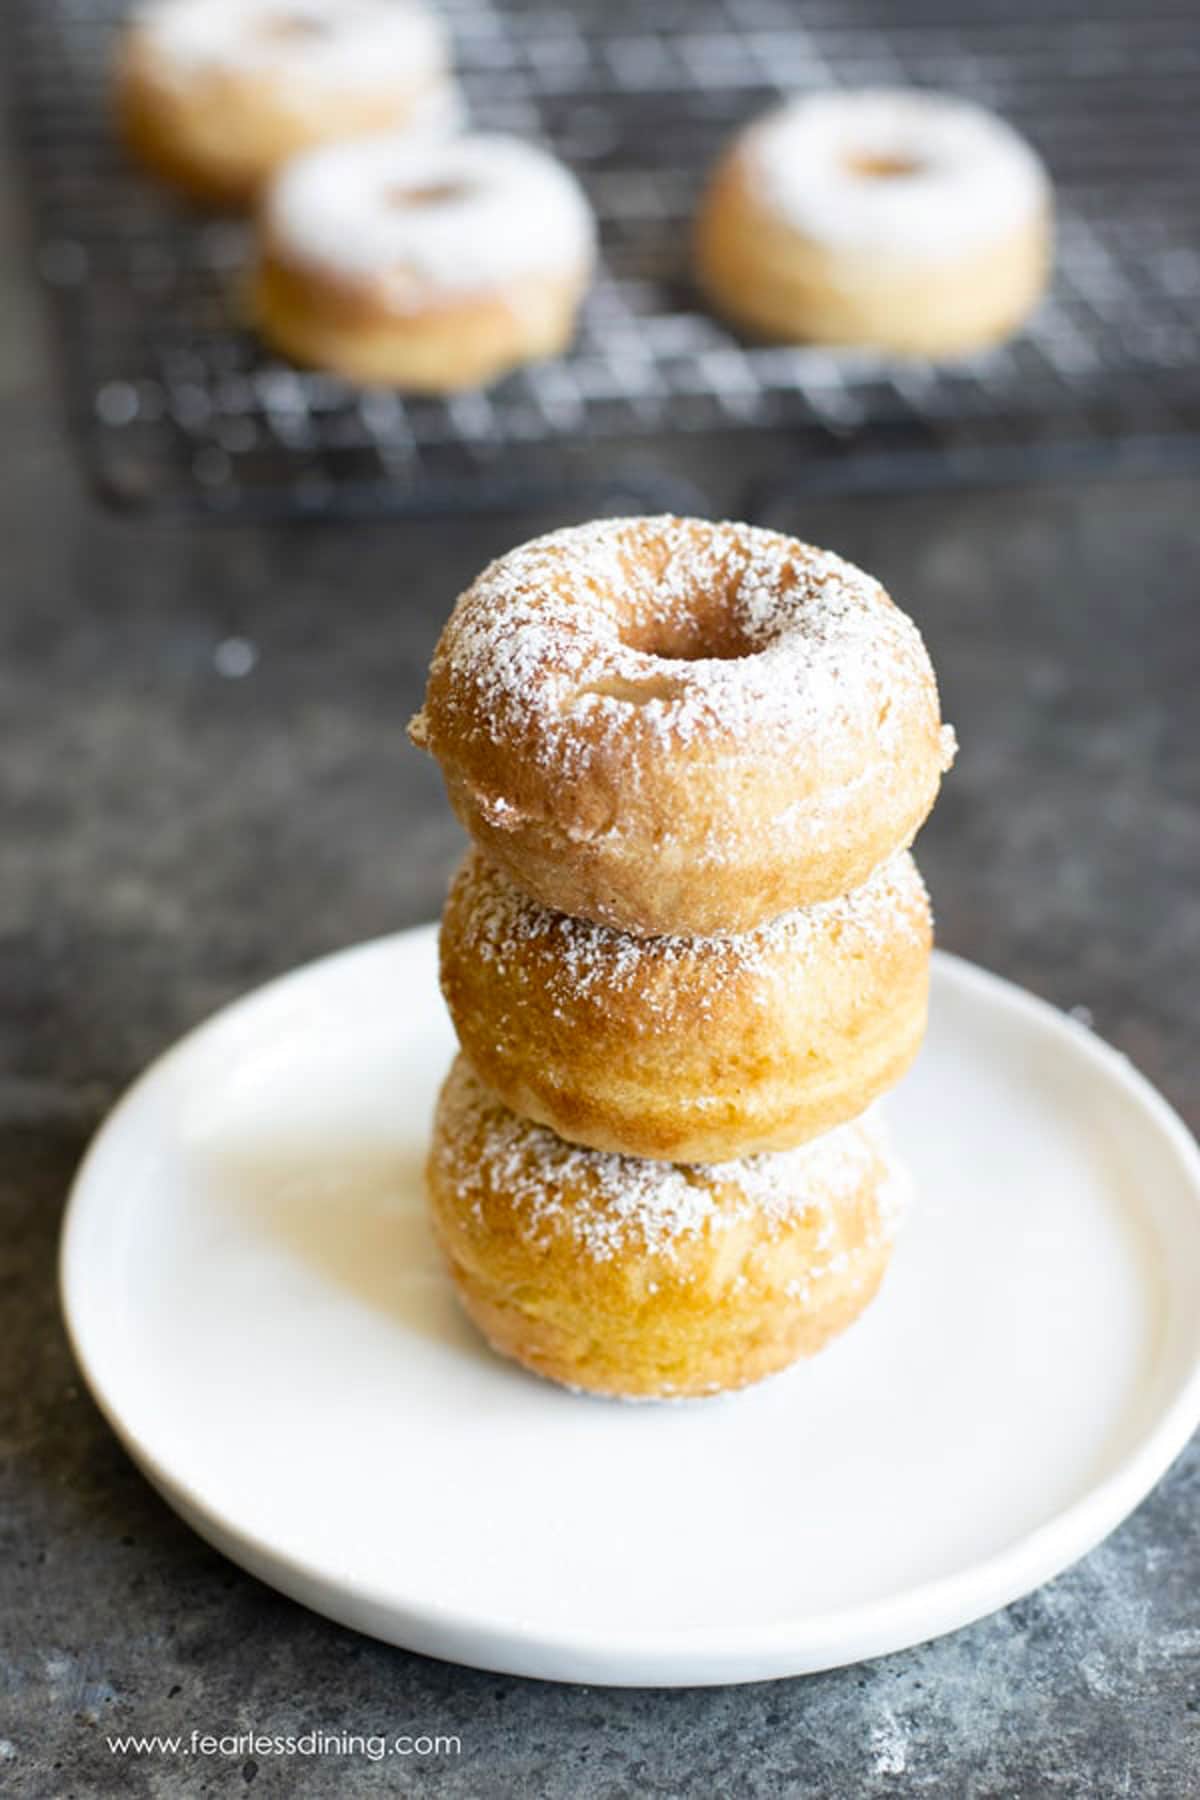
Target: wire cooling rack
{"x":176,"y":401}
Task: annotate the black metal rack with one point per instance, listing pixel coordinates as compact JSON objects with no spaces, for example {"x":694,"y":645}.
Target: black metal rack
{"x":177,"y":402}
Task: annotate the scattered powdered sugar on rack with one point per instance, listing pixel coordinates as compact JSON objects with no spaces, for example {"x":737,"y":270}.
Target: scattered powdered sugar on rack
{"x":317,"y":43}
{"x":578,"y":958}
{"x":546,"y":649}
{"x":611,"y":1204}
{"x":894,"y":171}
{"x":425,"y":217}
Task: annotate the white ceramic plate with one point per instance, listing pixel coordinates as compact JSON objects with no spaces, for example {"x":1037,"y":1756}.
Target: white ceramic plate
{"x":256,"y":1305}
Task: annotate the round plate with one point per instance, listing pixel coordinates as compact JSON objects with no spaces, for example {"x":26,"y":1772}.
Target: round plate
{"x":256,"y":1304}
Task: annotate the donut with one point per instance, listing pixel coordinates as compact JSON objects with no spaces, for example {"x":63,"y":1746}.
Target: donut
{"x":693,"y":1049}
{"x":905,"y":220}
{"x":677,"y":727}
{"x":212,"y":95}
{"x":428,"y":266}
{"x":649,"y":1280}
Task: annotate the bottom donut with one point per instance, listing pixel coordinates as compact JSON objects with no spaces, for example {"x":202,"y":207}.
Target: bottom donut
{"x":650,"y":1280}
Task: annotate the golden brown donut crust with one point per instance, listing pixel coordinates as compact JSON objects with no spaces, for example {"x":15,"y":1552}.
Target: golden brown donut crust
{"x":648,"y":1281}
{"x":678,"y":727}
{"x":326,"y":323}
{"x":690,"y":1050}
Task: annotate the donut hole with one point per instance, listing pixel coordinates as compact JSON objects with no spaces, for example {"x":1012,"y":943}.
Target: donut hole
{"x":292,"y":28}
{"x":708,"y":631}
{"x":426,"y":193}
{"x":707,"y":635}
{"x":882,"y":165}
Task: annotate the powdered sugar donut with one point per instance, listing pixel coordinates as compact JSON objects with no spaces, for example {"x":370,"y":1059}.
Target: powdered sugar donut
{"x":908,"y":220}
{"x":672,"y":726}
{"x":692,"y":1049}
{"x":214,"y":94}
{"x":428,"y":266}
{"x":645,"y":1279}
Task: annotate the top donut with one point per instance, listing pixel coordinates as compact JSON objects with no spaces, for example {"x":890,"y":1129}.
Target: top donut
{"x":673,"y":726}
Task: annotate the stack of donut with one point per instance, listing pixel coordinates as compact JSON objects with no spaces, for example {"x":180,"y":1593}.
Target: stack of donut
{"x":687,"y":950}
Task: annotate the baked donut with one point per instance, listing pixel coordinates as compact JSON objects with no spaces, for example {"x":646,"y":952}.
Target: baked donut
{"x":429,"y":266}
{"x":646,"y":1279}
{"x":906,"y":220}
{"x":689,"y":1049}
{"x":677,"y":727}
{"x":214,"y":94}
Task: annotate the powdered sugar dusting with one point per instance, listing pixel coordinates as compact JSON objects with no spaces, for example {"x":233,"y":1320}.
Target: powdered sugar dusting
{"x":543,"y":649}
{"x":894,"y":1197}
{"x":426,"y":218}
{"x":580,"y":958}
{"x":319,"y":44}
{"x":894,"y":171}
{"x":611,"y":1204}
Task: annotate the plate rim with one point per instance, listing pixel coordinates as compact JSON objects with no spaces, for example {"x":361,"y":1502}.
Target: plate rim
{"x":688,"y":1655}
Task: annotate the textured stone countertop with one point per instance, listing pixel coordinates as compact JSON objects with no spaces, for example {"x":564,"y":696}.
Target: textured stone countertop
{"x":174,"y":832}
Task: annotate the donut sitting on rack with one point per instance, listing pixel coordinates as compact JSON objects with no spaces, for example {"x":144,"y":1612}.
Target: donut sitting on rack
{"x":213,"y":95}
{"x":425,"y":266}
{"x":904,"y":220}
